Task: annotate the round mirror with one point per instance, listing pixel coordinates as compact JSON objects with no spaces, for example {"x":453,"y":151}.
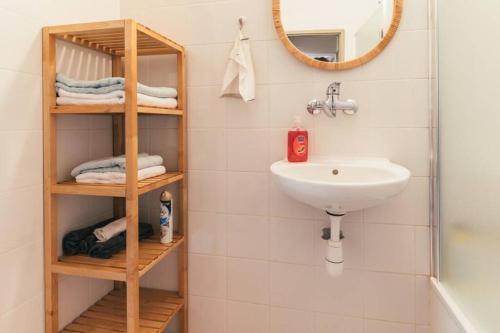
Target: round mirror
{"x":336,"y":34}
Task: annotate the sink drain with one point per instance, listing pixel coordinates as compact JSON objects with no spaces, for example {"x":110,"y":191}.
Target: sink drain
{"x":335,"y":172}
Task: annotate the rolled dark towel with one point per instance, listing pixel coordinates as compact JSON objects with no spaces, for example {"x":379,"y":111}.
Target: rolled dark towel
{"x":75,"y":241}
{"x":83,"y":241}
{"x":105,"y":250}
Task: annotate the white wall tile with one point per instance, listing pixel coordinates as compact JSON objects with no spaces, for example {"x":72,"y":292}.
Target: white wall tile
{"x":422,"y":299}
{"x":207,"y":233}
{"x":15,"y":319}
{"x":331,"y":323}
{"x":373,"y":326}
{"x":15,"y":212}
{"x":253,"y":114}
{"x":292,"y":240}
{"x":207,"y":276}
{"x":247,"y":317}
{"x":207,"y":191}
{"x":343,"y":296}
{"x":291,"y":321}
{"x":206,"y":315}
{"x":248,"y":150}
{"x":248,"y":236}
{"x":248,"y":280}
{"x":423,"y":250}
{"x":390,"y":248}
{"x":247,"y":193}
{"x":206,"y":109}
{"x":25,"y":275}
{"x":389,"y":297}
{"x":207,"y":149}
{"x":292,"y":286}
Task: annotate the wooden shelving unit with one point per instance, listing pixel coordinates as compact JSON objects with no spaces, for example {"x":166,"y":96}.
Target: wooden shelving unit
{"x":125,"y":309}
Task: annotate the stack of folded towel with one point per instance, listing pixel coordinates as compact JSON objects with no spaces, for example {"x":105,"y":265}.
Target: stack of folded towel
{"x":110,"y":90}
{"x":111,"y":170}
{"x":102,"y":240}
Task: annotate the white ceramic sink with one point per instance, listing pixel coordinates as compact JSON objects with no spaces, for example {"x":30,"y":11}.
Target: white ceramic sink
{"x":341,"y":186}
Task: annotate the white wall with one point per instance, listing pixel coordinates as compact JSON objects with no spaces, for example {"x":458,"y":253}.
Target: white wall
{"x":255,"y":255}
{"x":21,"y":218}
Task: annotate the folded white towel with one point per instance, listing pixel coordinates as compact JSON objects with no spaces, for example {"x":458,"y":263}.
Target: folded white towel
{"x":111,"y":95}
{"x":82,"y":101}
{"x":90,"y":99}
{"x":169,"y":103}
{"x":111,"y":230}
{"x":118,"y":177}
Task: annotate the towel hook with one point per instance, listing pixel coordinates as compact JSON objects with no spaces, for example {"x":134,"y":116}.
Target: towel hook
{"x":242,"y":20}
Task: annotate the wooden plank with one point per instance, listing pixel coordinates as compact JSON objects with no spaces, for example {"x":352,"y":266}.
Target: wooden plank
{"x":92,"y":271}
{"x":88,"y":109}
{"x":49,"y":179}
{"x":101,"y":27}
{"x":115,"y":190}
{"x":132,"y":194}
{"x":111,"y":109}
{"x":162,"y":39}
{"x":160,"y":111}
{"x":182,"y":261}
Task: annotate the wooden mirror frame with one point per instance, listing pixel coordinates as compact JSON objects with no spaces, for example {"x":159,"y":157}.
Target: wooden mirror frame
{"x":370,"y":55}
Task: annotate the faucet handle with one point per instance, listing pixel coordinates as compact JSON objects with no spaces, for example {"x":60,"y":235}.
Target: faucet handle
{"x":333,"y":88}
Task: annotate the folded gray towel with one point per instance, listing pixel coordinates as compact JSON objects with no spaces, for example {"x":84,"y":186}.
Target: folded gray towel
{"x":109,"y":84}
{"x":116,"y":164}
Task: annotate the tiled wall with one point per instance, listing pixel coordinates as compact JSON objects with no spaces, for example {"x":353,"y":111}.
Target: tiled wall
{"x":21,"y":209}
{"x":255,"y":255}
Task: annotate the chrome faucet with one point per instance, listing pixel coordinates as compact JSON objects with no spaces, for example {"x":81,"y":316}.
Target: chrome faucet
{"x":332,"y":104}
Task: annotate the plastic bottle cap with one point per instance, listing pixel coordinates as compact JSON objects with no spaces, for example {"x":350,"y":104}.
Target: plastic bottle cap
{"x":297,"y":123}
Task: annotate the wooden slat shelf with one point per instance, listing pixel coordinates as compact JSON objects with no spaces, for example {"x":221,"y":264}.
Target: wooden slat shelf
{"x":109,"y":37}
{"x":109,"y":314}
{"x":151,"y":252}
{"x":115,"y":190}
{"x":111,"y":109}
{"x":128,"y":308}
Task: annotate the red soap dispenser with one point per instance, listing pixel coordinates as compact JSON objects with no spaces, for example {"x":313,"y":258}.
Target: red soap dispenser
{"x":298,"y":142}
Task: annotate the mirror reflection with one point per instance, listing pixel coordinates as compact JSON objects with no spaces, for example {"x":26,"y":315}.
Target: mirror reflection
{"x":336,"y":30}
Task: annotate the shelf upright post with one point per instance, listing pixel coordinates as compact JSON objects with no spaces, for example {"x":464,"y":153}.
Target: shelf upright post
{"x":182,"y":164}
{"x":49,"y":180}
{"x":132,"y":194}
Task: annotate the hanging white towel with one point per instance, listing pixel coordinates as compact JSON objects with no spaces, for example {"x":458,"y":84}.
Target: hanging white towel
{"x":239,"y":80}
{"x":111,"y":230}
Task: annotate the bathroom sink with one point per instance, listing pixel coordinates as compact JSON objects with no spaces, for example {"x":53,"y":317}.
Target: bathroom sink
{"x":339,"y":186}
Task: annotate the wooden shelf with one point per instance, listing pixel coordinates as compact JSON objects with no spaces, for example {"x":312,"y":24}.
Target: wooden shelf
{"x":109,"y":315}
{"x":111,"y":109}
{"x":124,"y":40}
{"x":151,"y":252}
{"x":109,"y":37}
{"x":115,"y":190}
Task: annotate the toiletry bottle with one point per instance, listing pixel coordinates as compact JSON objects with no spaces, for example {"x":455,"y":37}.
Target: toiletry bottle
{"x":166,"y":218}
{"x":298,"y":141}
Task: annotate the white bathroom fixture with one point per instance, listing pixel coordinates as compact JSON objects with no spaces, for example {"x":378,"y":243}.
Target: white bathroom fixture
{"x":339,"y":186}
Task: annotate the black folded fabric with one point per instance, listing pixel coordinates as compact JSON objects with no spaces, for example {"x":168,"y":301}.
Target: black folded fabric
{"x":83,"y":241}
{"x":75,"y":241}
{"x":105,"y":250}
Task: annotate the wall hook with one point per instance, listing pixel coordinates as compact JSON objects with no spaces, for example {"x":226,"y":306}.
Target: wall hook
{"x":242,"y":20}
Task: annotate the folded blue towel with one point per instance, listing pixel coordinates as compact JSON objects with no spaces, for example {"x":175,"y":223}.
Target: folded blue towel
{"x":107,"y":85}
{"x":116,"y":164}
